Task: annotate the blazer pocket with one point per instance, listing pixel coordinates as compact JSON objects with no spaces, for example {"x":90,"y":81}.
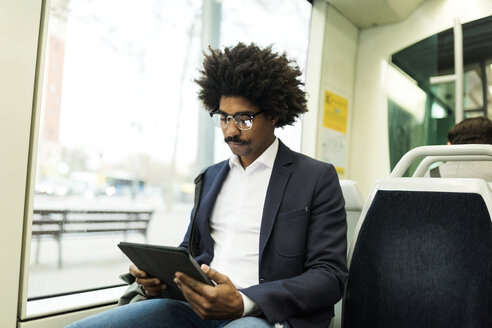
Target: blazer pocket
{"x":290,"y":232}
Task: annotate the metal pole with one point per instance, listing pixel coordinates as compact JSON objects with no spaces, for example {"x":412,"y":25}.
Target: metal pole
{"x":211,"y":17}
{"x":458,"y":69}
{"x":485,"y":92}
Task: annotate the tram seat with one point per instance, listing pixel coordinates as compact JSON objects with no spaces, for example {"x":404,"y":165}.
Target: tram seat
{"x":421,"y":256}
{"x":353,"y":205}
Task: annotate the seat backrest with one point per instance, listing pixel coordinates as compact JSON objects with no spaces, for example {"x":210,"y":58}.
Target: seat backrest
{"x":353,"y":205}
{"x":421,"y":256}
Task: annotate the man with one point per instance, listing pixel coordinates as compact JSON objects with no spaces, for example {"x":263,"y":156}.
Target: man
{"x":270,"y":229}
{"x":476,"y":130}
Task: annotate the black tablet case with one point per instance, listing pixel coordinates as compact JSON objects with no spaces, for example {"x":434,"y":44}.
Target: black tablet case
{"x":163,"y":262}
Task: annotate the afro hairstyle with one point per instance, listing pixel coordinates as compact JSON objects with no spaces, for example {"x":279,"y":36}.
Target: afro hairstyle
{"x":267,"y":79}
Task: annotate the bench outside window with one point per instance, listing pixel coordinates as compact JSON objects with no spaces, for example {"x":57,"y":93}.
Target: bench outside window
{"x":57,"y":223}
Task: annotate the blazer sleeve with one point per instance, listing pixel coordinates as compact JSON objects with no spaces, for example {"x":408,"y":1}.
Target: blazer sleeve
{"x":314,"y":290}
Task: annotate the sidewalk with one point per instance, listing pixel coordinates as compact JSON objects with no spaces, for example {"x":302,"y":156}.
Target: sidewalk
{"x":95,"y":261}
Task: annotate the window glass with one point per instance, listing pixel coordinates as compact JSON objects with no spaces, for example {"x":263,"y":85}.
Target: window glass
{"x":282,"y":24}
{"x":119,"y":141}
{"x":420,"y":112}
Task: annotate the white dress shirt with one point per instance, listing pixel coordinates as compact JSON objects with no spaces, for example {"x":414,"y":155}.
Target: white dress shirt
{"x":236,"y":220}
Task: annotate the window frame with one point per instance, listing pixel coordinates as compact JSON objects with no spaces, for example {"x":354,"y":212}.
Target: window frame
{"x":35,"y":24}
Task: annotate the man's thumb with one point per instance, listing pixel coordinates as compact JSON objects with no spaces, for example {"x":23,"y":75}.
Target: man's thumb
{"x":215,"y":275}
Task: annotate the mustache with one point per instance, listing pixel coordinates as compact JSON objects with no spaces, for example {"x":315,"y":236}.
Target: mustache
{"x":235,"y":139}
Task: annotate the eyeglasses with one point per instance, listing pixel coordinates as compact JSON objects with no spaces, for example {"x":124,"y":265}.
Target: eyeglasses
{"x":243,"y":121}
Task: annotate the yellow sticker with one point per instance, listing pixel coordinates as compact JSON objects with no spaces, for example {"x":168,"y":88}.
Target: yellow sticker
{"x":335,"y":112}
{"x":340,"y":170}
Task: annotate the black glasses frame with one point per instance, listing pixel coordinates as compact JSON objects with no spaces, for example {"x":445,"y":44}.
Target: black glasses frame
{"x":235,"y":118}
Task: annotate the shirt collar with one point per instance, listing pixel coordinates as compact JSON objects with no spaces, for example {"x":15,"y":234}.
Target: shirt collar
{"x":267,"y":157}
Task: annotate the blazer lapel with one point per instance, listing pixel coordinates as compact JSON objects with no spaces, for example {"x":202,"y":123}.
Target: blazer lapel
{"x":278,"y":181}
{"x":210,"y":191}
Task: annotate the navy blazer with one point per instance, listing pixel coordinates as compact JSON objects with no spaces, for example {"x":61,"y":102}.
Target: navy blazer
{"x":302,"y":250}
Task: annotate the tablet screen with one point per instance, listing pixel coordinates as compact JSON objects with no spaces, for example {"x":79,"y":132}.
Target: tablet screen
{"x":163,"y":262}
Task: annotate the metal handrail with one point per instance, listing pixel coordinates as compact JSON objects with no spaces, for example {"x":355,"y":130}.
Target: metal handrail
{"x":429,"y":160}
{"x":466,"y":152}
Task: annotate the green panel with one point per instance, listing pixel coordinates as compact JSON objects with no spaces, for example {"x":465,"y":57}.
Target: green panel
{"x":434,"y":56}
{"x":405,"y":133}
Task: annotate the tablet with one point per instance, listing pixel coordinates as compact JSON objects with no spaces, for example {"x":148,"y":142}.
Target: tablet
{"x":163,"y":262}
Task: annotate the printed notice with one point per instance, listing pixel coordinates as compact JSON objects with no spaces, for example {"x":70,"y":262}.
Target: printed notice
{"x":335,"y":112}
{"x":333,"y":134}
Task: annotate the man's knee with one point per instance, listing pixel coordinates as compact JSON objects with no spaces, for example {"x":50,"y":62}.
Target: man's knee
{"x":147,"y":313}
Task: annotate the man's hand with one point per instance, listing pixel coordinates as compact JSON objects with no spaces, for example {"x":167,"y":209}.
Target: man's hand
{"x":222,"y":301}
{"x":152,"y":286}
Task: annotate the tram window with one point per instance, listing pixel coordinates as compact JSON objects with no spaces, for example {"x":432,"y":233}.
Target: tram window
{"x":411,"y":125}
{"x":119,"y":128}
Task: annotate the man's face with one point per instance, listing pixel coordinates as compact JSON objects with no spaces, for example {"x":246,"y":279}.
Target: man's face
{"x":248,"y":145}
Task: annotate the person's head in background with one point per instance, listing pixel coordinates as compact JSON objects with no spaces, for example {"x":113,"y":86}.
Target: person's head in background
{"x":476,"y":130}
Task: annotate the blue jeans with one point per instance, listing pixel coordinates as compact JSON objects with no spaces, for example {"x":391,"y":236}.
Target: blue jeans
{"x":163,"y":313}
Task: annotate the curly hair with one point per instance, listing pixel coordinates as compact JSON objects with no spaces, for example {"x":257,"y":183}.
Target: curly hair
{"x":476,"y":130}
{"x":266,"y":79}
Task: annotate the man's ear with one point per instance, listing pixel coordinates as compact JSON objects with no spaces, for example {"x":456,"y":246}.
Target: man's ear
{"x":274,"y":120}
